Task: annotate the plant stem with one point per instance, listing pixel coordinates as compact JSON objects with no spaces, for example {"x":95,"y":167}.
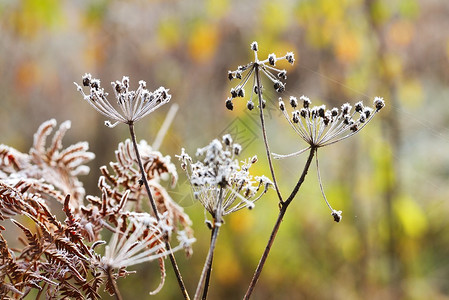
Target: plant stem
{"x":209,"y":270}
{"x":283,"y":209}
{"x":203,"y":283}
{"x":153,"y":206}
{"x":264,"y":131}
{"x":117,"y":294}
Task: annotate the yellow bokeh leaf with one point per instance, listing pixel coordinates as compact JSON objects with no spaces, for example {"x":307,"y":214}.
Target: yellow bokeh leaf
{"x":401,"y":33}
{"x":411,"y":93}
{"x":411,"y":216}
{"x":203,"y":42}
{"x":348,"y":48}
{"x":168,"y":33}
{"x":217,"y":8}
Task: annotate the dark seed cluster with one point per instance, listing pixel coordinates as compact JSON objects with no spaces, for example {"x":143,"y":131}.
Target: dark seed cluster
{"x":265,"y":67}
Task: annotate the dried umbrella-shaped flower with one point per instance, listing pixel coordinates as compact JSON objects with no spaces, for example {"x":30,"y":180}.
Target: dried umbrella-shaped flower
{"x":267,"y":66}
{"x":220,"y":183}
{"x":319,"y":127}
{"x":141,"y":240}
{"x":223,"y":186}
{"x":134,"y":104}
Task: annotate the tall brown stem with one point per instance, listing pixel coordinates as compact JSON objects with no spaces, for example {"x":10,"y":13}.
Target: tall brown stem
{"x":264,"y":132}
{"x":283,"y":209}
{"x":153,"y":206}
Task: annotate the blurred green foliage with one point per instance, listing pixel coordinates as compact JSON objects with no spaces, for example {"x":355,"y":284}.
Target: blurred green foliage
{"x":390,"y":180}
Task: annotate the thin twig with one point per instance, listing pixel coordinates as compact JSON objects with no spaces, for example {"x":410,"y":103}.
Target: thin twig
{"x":165,"y":126}
{"x":283,"y":209}
{"x":264,"y":132}
{"x":209,"y":271}
{"x":153,"y":206}
{"x":205,"y":274}
{"x":207,"y":266}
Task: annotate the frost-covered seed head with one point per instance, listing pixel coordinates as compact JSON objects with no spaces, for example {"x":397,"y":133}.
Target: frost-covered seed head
{"x":281,"y":105}
{"x":250,"y":105}
{"x":379,"y":103}
{"x":306,"y":101}
{"x":254,"y":46}
{"x":293,"y":101}
{"x":272,"y":59}
{"x":227,"y":139}
{"x":290,"y":57}
{"x":229,"y":104}
{"x":346,"y":109}
{"x":337,"y":215}
{"x":359,"y":107}
{"x":262,"y":67}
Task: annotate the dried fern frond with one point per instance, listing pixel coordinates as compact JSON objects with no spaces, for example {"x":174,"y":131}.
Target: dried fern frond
{"x":126,"y":177}
{"x":60,"y":167}
{"x":54,"y":258}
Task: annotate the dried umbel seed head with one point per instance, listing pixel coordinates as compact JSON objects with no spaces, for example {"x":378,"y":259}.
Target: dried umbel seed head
{"x":134,"y":104}
{"x":378,"y":103}
{"x":320,"y":127}
{"x":229,"y":104}
{"x":337,"y":215}
{"x":281,"y":105}
{"x":358,"y":107}
{"x":250,"y":105}
{"x":290,"y":57}
{"x":306,"y":101}
{"x":227,"y":139}
{"x":282,"y":75}
{"x":261,"y":67}
{"x":254,"y":46}
{"x":293,"y":101}
{"x":218,"y":173}
{"x":86,"y":79}
{"x":272,"y":59}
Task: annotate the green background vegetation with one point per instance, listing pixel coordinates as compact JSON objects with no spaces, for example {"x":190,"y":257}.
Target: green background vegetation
{"x":391,"y":181}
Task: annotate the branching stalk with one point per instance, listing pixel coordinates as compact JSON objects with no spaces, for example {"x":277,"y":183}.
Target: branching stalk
{"x":283,"y":209}
{"x":153,"y":206}
{"x":264,"y":132}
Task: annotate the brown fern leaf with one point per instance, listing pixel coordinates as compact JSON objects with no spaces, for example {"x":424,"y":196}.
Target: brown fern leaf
{"x":34,"y":245}
{"x":126,"y":176}
{"x":12,"y":202}
{"x":60,"y":168}
{"x":11,"y":161}
{"x":52,"y":170}
{"x":60,"y":258}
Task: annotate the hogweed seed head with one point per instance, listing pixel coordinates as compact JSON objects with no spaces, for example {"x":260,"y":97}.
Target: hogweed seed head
{"x":134,"y":104}
{"x":265,"y":67}
{"x":220,"y":182}
{"x":320,"y":127}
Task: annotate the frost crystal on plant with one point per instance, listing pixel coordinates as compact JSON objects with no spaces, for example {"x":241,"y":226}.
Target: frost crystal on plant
{"x":219,"y":181}
{"x":134,"y":104}
{"x":267,"y":66}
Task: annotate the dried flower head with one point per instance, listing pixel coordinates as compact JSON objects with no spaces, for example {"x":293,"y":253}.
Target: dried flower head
{"x":219,"y":181}
{"x":320,"y":127}
{"x":141,"y":240}
{"x":134,"y":104}
{"x":267,"y":66}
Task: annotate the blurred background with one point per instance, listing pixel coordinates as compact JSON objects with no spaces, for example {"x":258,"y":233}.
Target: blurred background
{"x":390,"y":181}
